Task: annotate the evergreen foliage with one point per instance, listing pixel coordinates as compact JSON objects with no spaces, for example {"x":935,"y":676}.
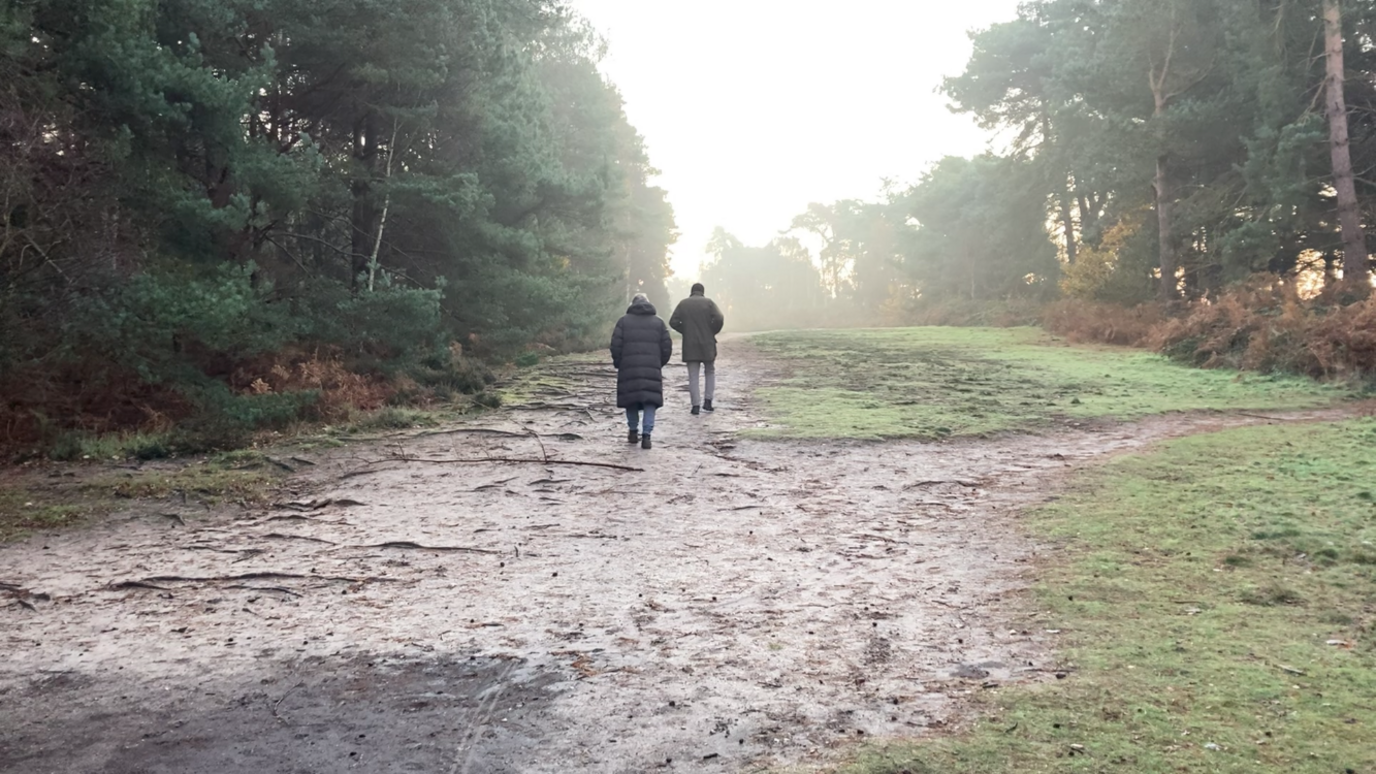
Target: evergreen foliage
{"x":193,"y":189}
{"x":1207,"y":113}
{"x":1166,"y":149}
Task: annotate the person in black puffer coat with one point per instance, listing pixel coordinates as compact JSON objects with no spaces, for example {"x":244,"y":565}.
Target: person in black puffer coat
{"x":641,"y":347}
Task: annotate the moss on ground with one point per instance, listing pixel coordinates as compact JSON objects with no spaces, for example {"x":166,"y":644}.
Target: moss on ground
{"x":933,"y":383}
{"x":245,"y":476}
{"x":73,"y":495}
{"x":1215,"y":600}
{"x":24,"y":510}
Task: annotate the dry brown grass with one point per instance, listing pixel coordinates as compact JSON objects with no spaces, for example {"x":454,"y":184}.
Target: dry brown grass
{"x":1090,"y":321}
{"x":340,"y":389}
{"x":1261,"y":325}
{"x":1265,"y":326}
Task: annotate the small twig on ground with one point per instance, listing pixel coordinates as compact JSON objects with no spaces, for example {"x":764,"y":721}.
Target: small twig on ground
{"x":873,"y":536}
{"x":277,"y":589}
{"x":176,"y":517}
{"x":543,"y":452}
{"x":138,"y":585}
{"x":968,"y":484}
{"x":278,"y":705}
{"x":283,"y":536}
{"x":218,"y":550}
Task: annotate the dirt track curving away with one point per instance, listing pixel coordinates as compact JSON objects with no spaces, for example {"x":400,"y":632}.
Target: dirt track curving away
{"x":736,"y":604}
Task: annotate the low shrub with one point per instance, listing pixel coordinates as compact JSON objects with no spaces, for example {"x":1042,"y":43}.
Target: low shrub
{"x":205,"y":358}
{"x":1103,"y":323}
{"x":1264,"y":325}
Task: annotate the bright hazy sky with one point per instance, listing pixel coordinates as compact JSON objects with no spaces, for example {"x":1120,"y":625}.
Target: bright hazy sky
{"x":754,"y":108}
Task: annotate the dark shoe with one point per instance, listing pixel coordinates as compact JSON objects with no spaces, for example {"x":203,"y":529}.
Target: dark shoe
{"x":645,"y":441}
{"x":707,"y":405}
{"x":697,"y":410}
{"x":633,"y":436}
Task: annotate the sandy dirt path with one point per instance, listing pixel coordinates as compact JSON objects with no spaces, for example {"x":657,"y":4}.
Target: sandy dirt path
{"x":734,"y":605}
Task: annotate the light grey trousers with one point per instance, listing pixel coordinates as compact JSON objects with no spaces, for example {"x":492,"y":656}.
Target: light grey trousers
{"x":711,"y":369}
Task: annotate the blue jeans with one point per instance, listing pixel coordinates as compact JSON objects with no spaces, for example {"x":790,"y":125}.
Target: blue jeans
{"x":633,"y":418}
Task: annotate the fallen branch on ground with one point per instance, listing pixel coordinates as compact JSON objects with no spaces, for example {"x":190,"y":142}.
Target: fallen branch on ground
{"x":276,"y":589}
{"x":469,"y":430}
{"x":267,"y":575}
{"x":296,"y":517}
{"x":283,"y":536}
{"x":313,"y":505}
{"x":218,"y":550}
{"x":138,"y":585}
{"x":510,"y":461}
{"x":278,"y":463}
{"x":418,"y":547}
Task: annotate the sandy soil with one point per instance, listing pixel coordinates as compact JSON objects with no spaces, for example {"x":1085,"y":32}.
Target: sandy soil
{"x":728,"y":605}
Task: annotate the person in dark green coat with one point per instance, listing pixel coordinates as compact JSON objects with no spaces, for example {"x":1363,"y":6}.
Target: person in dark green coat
{"x":699,"y":320}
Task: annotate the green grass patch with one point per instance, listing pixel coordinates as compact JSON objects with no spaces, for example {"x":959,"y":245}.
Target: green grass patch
{"x":934,"y":383}
{"x":1216,"y":603}
{"x":390,"y":418}
{"x":75,"y":495}
{"x":242,"y":475}
{"x":75,"y":446}
{"x":24,"y":510}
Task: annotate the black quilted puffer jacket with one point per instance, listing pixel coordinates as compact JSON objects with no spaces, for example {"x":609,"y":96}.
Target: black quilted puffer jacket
{"x":641,"y":347}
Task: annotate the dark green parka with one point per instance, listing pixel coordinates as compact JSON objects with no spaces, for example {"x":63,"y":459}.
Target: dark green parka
{"x":699,"y":320}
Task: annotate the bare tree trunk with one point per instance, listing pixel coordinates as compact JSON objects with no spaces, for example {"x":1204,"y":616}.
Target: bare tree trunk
{"x":1169,"y":289}
{"x":1355,"y":261}
{"x":386,"y":206}
{"x":1068,"y":226}
{"x":364,"y":217}
{"x":1170,"y":285}
{"x":1063,"y":195}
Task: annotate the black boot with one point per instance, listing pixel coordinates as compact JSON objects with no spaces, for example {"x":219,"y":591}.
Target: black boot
{"x":633,"y":436}
{"x":645,"y":441}
{"x":697,"y":410}
{"x":707,"y":405}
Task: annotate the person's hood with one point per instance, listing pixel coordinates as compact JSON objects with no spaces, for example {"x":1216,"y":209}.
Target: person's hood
{"x":642,"y":308}
{"x":698,"y":293}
